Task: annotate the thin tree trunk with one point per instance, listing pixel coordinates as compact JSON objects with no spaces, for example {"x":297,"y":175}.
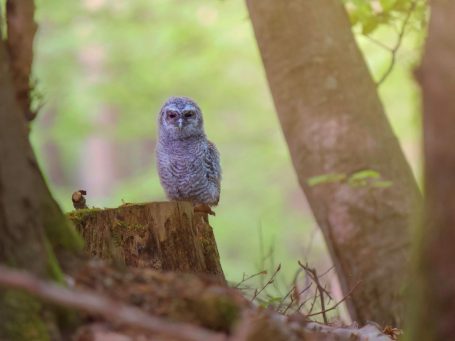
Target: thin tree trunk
{"x":32,"y":227}
{"x":433,"y":306}
{"x":348,"y":161}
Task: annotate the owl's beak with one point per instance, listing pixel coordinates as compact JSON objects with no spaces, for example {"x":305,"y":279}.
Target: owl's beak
{"x":180,"y":123}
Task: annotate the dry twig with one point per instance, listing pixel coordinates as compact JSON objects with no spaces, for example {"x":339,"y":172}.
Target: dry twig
{"x":296,"y":295}
{"x":314,"y":276}
{"x":394,"y":333}
{"x":336,"y":304}
{"x":394,"y":49}
{"x":270,"y":281}
{"x":247,"y":278}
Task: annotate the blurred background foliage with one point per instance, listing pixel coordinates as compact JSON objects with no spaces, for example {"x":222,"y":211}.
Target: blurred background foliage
{"x":103,"y":69}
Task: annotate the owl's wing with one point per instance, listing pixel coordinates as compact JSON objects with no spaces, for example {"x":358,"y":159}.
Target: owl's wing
{"x":212,"y":164}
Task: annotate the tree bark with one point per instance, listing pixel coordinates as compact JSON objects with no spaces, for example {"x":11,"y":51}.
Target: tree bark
{"x":348,"y":161}
{"x":166,"y":236}
{"x":32,"y":227}
{"x":21,"y":33}
{"x":432,"y":308}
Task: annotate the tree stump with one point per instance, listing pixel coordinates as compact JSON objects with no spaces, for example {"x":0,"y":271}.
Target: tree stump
{"x":166,"y":236}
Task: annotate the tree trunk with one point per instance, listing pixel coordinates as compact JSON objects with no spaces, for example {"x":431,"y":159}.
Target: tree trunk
{"x":165,"y":236}
{"x":21,"y":32}
{"x":32,"y":227}
{"x":433,"y":307}
{"x":348,"y":161}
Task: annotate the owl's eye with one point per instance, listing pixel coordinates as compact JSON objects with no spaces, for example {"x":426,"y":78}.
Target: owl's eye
{"x":171,"y":114}
{"x":189,"y":114}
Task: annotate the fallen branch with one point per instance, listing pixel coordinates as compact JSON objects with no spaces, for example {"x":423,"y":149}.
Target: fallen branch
{"x":95,"y":304}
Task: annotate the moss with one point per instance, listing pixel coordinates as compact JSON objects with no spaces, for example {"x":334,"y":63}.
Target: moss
{"x":120,"y":230}
{"x":126,"y":226}
{"x":79,"y":217}
{"x":136,"y":227}
{"x":120,"y":224}
{"x":206,"y":243}
{"x":228,"y":310}
{"x":53,"y":266}
{"x":214,"y":312}
{"x":116,"y":235}
{"x":66,"y":318}
{"x":59,"y":230}
{"x":20,"y":316}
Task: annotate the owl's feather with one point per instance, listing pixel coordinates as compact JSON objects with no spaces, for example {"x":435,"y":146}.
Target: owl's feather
{"x":188,"y":164}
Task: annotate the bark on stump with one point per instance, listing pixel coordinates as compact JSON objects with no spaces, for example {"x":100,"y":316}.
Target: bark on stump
{"x":165,"y":236}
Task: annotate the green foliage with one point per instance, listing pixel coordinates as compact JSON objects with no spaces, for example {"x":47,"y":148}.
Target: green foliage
{"x":60,"y":232}
{"x":368,"y":177}
{"x":362,"y":178}
{"x":2,"y":20}
{"x":364,"y":174}
{"x":21,"y":317}
{"x":369,"y":15}
{"x":52,"y":264}
{"x":325,"y":179}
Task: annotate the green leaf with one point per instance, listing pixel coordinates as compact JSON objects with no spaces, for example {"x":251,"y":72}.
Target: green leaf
{"x":368,"y":177}
{"x":402,"y":5}
{"x":365,"y":174}
{"x":325,"y":179}
{"x":387,"y":5}
{"x":370,"y":25}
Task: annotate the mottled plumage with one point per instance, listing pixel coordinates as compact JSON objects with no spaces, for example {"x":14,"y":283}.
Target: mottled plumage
{"x":188,"y":164}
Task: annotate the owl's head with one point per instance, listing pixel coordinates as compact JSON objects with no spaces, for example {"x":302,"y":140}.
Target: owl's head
{"x":181,"y":117}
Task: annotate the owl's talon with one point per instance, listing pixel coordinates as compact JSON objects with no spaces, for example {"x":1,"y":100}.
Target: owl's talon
{"x":203,"y":208}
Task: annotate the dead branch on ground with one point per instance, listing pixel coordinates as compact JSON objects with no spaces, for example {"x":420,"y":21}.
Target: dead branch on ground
{"x":96,"y":304}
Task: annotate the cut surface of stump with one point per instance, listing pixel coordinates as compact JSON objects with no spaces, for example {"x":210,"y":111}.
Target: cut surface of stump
{"x":165,"y":236}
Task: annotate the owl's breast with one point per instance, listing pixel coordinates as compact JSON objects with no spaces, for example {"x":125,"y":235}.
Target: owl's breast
{"x":181,"y":176}
{"x":189,"y":171}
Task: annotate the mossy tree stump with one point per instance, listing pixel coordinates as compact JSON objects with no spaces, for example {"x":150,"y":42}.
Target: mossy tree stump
{"x":166,"y":236}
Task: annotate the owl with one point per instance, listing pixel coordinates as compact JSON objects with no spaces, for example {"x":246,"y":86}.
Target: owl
{"x":188,"y":163}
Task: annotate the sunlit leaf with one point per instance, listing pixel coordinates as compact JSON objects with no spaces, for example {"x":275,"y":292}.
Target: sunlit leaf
{"x":388,"y":4}
{"x":370,"y":25}
{"x":325,"y":179}
{"x":365,"y":174}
